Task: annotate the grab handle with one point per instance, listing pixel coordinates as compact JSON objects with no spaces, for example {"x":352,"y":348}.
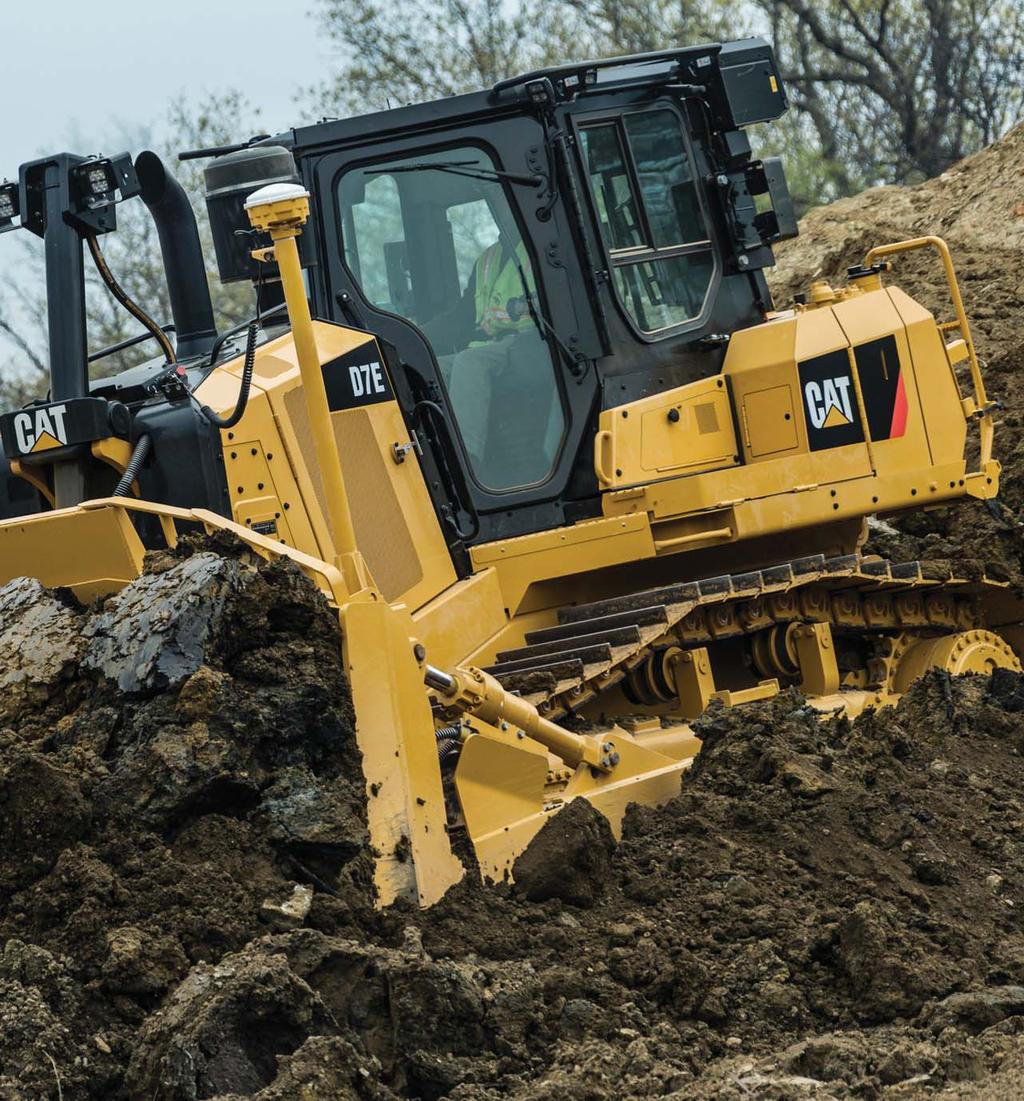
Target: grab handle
{"x":604,"y":457}
{"x":981,"y":409}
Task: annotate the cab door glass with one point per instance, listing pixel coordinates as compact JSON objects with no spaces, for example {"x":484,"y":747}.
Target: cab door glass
{"x":666,"y":178}
{"x":616,"y":203}
{"x":642,"y":182}
{"x":432,"y":237}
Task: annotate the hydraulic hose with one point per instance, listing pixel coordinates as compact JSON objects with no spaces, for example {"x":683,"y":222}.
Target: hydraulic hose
{"x":131,"y":471}
{"x":119,"y":293}
{"x":243,"y":393}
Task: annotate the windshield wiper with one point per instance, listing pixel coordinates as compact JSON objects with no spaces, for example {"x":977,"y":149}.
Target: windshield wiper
{"x":572,"y":359}
{"x":470,"y":169}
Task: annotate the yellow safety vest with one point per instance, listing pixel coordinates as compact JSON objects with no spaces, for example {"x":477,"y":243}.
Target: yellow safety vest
{"x":496,"y":283}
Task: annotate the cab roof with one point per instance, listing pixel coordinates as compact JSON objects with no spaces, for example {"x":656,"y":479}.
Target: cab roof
{"x":696,"y":69}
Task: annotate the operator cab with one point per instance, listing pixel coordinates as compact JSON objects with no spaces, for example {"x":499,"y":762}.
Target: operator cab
{"x":570,"y":240}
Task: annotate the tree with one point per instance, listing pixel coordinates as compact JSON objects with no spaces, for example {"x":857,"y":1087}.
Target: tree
{"x":898,"y":90}
{"x":393,"y":52}
{"x":472,"y":44}
{"x":132,"y":253}
{"x":883,"y":91}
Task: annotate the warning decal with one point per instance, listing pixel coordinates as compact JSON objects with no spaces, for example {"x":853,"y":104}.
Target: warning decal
{"x":884,"y":388}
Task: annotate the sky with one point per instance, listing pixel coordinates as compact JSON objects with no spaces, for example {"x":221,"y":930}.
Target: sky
{"x":79,"y":70}
{"x":78,"y":77}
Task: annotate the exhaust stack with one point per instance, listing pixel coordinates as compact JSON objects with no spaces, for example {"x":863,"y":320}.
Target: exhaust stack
{"x":182,"y":253}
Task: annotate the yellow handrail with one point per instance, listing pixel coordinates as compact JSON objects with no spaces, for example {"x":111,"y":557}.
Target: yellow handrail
{"x":981,"y":403}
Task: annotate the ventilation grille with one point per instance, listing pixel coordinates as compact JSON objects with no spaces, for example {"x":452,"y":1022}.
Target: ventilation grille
{"x":381,"y":531}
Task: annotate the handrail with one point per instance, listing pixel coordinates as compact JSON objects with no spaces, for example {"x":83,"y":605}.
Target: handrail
{"x":325,"y":575}
{"x":982,"y":408}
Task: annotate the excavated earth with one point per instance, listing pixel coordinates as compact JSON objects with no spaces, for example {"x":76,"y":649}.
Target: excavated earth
{"x":828,"y":910}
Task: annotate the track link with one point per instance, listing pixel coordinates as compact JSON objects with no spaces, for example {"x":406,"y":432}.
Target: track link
{"x":594,"y":646}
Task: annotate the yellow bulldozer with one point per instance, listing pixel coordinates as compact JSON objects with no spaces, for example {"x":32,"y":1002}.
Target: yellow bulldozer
{"x":516,"y":398}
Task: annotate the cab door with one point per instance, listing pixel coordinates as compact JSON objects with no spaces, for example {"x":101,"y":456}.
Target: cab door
{"x":438,"y":249}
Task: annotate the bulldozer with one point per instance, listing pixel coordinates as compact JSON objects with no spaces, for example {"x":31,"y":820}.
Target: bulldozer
{"x":516,"y":398}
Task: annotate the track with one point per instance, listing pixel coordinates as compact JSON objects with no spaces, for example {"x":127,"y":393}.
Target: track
{"x":595,"y":646}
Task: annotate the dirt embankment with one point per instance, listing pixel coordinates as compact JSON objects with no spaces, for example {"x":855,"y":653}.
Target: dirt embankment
{"x":185,"y":911}
{"x":829,"y":910}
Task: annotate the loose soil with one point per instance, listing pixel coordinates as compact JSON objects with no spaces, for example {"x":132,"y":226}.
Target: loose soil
{"x":828,"y":910}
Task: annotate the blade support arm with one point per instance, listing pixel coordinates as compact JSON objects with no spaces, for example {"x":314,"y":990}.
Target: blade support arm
{"x":472,"y":691}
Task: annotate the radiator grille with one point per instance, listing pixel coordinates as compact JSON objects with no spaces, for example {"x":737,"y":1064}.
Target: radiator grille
{"x":381,"y":531}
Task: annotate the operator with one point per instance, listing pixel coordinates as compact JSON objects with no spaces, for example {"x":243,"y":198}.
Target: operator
{"x":492,"y":326}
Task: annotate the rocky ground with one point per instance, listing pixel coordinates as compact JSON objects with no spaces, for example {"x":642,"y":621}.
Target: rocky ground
{"x":829,"y":910}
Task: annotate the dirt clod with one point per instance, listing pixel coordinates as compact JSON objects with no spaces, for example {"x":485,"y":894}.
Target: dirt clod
{"x":569,"y":859}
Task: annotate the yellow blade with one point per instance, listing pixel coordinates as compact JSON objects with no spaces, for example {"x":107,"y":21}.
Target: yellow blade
{"x":93,"y":552}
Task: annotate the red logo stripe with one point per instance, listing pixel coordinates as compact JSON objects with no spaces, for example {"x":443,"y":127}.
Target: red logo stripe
{"x":899,"y":411}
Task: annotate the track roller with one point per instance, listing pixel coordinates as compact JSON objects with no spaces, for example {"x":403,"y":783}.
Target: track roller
{"x":774,"y":652}
{"x":653,"y":681}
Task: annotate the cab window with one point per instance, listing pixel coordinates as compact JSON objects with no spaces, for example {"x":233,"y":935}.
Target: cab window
{"x":432,"y":237}
{"x":642,"y":183}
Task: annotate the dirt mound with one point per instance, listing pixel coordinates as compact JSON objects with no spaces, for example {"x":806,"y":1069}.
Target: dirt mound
{"x":185,"y":911}
{"x":170,"y":762}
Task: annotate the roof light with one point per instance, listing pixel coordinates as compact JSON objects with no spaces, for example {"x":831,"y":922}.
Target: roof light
{"x":10,"y":205}
{"x":95,"y":182}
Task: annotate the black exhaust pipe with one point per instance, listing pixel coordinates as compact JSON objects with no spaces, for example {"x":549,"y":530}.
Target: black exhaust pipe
{"x":182,"y":253}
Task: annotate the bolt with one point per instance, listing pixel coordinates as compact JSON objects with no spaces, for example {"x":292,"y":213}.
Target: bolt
{"x":504,"y":725}
{"x":520,"y":735}
{"x":744,"y":261}
{"x":419,"y":651}
{"x":615,"y":758}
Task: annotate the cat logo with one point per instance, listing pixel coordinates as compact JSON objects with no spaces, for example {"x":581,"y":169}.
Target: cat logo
{"x":831,"y":410}
{"x":828,"y":402}
{"x":40,"y":429}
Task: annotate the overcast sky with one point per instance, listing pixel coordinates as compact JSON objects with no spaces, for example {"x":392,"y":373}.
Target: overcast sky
{"x":85,"y":70}
{"x":79,"y":77}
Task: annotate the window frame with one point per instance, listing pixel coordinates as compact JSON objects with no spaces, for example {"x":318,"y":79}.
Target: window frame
{"x":619,"y":258}
{"x":557,"y":367}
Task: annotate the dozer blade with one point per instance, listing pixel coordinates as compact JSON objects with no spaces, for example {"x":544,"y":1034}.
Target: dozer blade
{"x":92,"y":551}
